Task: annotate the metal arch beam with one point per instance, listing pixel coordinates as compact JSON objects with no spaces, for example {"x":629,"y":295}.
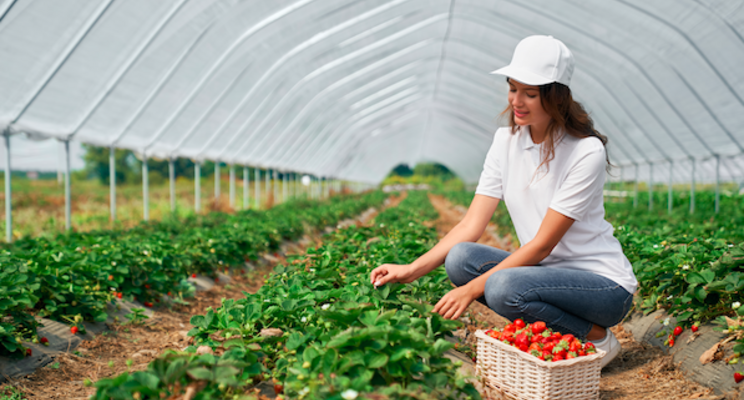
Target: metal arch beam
{"x":4,"y":13}
{"x":219,"y":62}
{"x":286,"y":153}
{"x":329,"y":66}
{"x":87,"y":27}
{"x":236,"y":44}
{"x":694,"y":46}
{"x":119,"y":74}
{"x":307,"y":109}
{"x":607,"y":45}
{"x":641,"y":130}
{"x":161,"y":84}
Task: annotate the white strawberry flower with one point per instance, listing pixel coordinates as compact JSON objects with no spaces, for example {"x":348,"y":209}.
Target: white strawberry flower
{"x":736,"y":305}
{"x":113,"y":263}
{"x":325,"y":306}
{"x":685,"y":267}
{"x":349,"y":394}
{"x":670,"y":297}
{"x":303,"y":319}
{"x":382,"y":225}
{"x":145,"y":252}
{"x":656,"y":246}
{"x":666,"y":321}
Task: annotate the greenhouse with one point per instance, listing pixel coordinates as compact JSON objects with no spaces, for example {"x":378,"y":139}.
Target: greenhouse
{"x":244,"y":199}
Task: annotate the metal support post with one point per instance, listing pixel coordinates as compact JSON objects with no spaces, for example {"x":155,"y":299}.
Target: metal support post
{"x":275,"y":185}
{"x":145,"y":194}
{"x":245,"y":188}
{"x":68,"y":197}
{"x":216,"y":180}
{"x":670,"y":195}
{"x":112,"y":181}
{"x":8,"y":194}
{"x":692,"y":188}
{"x":232,"y":186}
{"x":650,"y":186}
{"x":172,"y":183}
{"x":256,"y":188}
{"x":267,"y":185}
{"x":197,"y":186}
{"x":718,"y":183}
{"x":635,"y":188}
{"x":285,"y":187}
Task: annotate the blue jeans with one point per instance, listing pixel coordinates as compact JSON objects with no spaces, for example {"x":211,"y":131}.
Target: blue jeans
{"x":568,"y":301}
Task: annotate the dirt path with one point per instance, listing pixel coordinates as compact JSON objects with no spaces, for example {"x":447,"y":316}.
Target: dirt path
{"x":639,"y":372}
{"x":107,"y":354}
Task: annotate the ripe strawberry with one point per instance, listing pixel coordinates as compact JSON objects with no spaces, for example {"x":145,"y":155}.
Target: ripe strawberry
{"x":547,"y":356}
{"x":519,"y":323}
{"x":677,"y":330}
{"x":169,"y":293}
{"x":521,"y":340}
{"x":44,"y":341}
{"x":28,"y":352}
{"x":111,"y":277}
{"x":74,"y":330}
{"x":147,"y":286}
{"x":278,"y":389}
{"x":568,"y":338}
{"x":671,"y":342}
{"x":193,"y":275}
{"x":538,"y":327}
{"x":694,"y":328}
{"x":119,"y":295}
{"x":571,"y":355}
{"x":738,"y":377}
{"x":534,"y":347}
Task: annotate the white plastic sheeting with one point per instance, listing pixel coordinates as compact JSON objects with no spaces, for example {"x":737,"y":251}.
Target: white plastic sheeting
{"x":348,"y":89}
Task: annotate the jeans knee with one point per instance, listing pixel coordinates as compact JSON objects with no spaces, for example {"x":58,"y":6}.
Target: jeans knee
{"x":502,"y":294}
{"x":455,"y":263}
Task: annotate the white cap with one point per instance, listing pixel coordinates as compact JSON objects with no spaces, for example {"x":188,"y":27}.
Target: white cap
{"x":539,"y":60}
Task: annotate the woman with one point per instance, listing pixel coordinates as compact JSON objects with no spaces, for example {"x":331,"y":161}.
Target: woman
{"x":549,"y":168}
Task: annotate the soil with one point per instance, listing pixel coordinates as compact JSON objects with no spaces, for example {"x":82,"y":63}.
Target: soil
{"x":639,"y":372}
{"x":107,"y":354}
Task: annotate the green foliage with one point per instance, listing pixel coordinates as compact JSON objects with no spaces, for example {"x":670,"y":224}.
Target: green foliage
{"x":76,"y":275}
{"x":11,"y":393}
{"x":339,"y":332}
{"x":170,"y":374}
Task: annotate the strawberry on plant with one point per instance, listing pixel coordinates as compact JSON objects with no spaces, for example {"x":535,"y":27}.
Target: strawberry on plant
{"x":74,"y":330}
{"x":738,"y":377}
{"x":44,"y":341}
{"x":28,"y":352}
{"x":193,"y":275}
{"x":694,"y":328}
{"x":278,"y":389}
{"x":677,"y":330}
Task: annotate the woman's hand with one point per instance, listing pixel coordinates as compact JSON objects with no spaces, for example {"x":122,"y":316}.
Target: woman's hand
{"x":455,"y":302}
{"x":387,"y":273}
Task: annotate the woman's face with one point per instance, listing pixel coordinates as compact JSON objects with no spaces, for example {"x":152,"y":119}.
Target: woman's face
{"x":527,"y":108}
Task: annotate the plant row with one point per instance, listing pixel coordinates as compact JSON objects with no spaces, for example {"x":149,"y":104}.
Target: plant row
{"x":689,"y":264}
{"x":73,"y":277}
{"x":318,"y":328}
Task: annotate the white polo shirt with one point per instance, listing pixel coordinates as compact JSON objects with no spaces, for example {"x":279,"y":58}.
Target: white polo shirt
{"x":572,"y":186}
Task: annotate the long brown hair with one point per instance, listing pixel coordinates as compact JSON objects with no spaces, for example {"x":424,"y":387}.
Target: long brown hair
{"x":567,"y":115}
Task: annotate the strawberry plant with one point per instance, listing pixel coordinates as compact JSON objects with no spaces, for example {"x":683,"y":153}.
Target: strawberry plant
{"x":326,"y":330}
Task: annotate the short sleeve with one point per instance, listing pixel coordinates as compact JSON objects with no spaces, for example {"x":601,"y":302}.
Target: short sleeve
{"x":490,"y":182}
{"x":584,"y":180}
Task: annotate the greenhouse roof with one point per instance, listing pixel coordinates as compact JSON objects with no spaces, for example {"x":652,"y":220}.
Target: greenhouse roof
{"x":349,"y":89}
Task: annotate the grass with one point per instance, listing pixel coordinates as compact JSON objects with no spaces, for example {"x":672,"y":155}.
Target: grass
{"x":39,"y":205}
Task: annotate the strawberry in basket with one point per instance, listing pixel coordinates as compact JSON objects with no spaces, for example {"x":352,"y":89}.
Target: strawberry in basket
{"x":541,"y":341}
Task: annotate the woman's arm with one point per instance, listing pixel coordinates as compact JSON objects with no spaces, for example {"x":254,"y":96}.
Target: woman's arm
{"x":468,"y":230}
{"x":552,"y":229}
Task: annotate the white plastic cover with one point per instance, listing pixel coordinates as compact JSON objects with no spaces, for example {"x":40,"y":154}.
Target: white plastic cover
{"x":349,"y":89}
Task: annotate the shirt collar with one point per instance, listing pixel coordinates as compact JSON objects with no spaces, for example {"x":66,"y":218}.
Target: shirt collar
{"x":526,"y":138}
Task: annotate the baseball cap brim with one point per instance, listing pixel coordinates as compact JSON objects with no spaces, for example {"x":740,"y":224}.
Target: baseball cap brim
{"x":522,"y":75}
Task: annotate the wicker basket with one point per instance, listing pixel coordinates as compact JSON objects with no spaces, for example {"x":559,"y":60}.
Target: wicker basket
{"x":522,"y":376}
